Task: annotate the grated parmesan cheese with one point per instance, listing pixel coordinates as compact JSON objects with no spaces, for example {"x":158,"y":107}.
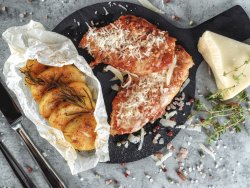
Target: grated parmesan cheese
{"x":141,"y":97}
{"x":125,"y":42}
{"x":122,"y":7}
{"x":106,"y":12}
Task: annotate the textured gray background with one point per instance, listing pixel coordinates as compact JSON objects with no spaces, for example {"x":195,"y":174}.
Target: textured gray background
{"x":234,"y":150}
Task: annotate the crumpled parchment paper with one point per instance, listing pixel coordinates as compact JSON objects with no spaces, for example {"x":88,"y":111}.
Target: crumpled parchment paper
{"x":32,"y":41}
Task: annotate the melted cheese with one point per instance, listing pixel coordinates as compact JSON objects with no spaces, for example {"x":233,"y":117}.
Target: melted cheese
{"x":225,"y":55}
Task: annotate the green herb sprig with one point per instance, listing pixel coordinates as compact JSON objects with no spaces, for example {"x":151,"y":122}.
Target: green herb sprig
{"x":232,"y":113}
{"x":237,"y":77}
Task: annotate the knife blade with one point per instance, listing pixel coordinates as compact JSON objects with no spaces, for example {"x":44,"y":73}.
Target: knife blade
{"x":14,"y":118}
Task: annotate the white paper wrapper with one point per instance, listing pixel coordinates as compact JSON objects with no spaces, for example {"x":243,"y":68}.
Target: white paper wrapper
{"x":32,"y":41}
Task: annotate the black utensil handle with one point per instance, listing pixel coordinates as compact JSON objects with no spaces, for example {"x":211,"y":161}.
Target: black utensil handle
{"x":8,"y":106}
{"x":20,"y":173}
{"x":48,"y":171}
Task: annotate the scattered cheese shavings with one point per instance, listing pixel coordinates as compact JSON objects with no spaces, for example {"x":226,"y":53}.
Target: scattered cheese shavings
{"x":106,"y":12}
{"x":126,"y":144}
{"x":157,"y":136}
{"x":164,"y":158}
{"x":131,"y":74}
{"x":114,"y":78}
{"x":167,"y":123}
{"x":122,"y":7}
{"x":171,"y":114}
{"x":150,"y":6}
{"x":171,"y":70}
{"x":161,"y":141}
{"x":185,"y":84}
{"x":191,"y":127}
{"x":128,"y":82}
{"x":133,"y":139}
{"x":208,"y":151}
{"x":115,"y":87}
{"x":142,"y":138}
{"x":115,"y":71}
{"x":86,"y":24}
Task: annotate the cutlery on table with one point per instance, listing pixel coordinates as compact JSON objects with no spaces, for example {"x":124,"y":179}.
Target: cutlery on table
{"x":14,"y":118}
{"x":18,"y":170}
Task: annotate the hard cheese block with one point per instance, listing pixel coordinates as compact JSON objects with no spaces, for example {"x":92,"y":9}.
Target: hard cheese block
{"x":229,"y":61}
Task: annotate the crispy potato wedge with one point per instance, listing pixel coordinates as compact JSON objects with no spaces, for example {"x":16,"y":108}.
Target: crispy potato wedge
{"x":49,"y":102}
{"x":63,"y":114}
{"x":80,"y":132}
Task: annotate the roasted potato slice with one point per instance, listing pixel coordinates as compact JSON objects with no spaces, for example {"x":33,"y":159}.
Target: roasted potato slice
{"x":49,"y":102}
{"x":65,"y":74}
{"x":82,"y":90}
{"x":34,"y":67}
{"x":71,"y":74}
{"x":63,"y":114}
{"x":55,"y":75}
{"x":80,"y":132}
{"x":38,"y":91}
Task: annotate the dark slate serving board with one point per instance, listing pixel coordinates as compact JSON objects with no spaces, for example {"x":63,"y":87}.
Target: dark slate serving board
{"x":233,"y":23}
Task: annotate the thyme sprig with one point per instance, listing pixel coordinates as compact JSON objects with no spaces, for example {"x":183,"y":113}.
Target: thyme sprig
{"x":232,"y":113}
{"x":237,"y":68}
{"x":66,"y":93}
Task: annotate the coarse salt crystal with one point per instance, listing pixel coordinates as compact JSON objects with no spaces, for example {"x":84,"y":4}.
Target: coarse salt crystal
{"x":128,"y":171}
{"x":208,"y":151}
{"x":44,"y":154}
{"x":108,"y":181}
{"x":216,"y":165}
{"x":182,"y":154}
{"x":3,"y":8}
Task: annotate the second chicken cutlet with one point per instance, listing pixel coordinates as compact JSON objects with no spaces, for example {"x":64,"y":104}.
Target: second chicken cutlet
{"x":147,"y":97}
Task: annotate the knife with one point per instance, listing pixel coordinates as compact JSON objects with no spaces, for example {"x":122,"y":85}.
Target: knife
{"x":14,"y":118}
{"x":20,"y":173}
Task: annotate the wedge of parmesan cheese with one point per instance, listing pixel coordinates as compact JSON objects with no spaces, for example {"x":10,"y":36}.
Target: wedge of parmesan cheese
{"x":228,"y":60}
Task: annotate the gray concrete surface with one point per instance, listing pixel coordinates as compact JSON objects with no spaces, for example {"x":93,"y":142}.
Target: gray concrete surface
{"x":233,"y":168}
